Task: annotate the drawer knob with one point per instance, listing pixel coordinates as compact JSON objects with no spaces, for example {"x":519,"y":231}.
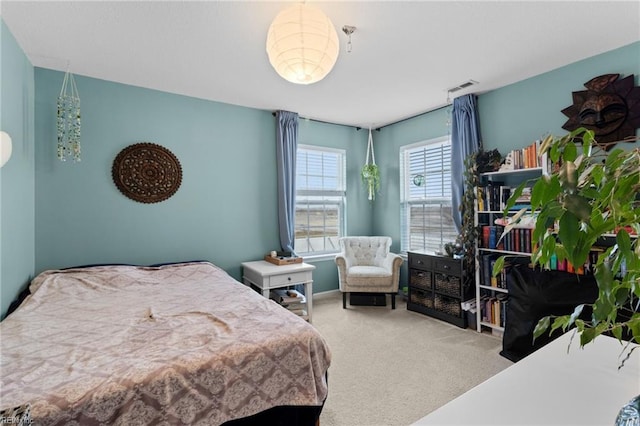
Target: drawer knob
{"x":446,"y":266}
{"x":289,"y":278}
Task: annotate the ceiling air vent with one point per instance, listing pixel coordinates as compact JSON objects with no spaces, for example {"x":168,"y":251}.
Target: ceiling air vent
{"x":462,"y":86}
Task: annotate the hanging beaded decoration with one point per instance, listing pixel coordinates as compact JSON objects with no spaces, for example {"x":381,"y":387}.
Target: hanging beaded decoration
{"x":68,"y":121}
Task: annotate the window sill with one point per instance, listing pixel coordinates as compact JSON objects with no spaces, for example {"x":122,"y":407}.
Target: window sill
{"x":319,"y":257}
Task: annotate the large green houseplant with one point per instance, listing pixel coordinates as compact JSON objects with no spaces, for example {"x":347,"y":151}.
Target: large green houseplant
{"x":590,"y":196}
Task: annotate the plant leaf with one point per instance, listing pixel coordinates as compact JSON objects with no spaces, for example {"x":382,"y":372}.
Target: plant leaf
{"x":578,"y":205}
{"x":569,"y":228}
{"x":576,"y":313}
{"x":560,"y":322}
{"x":570,"y":152}
{"x":541,"y":327}
{"x":587,"y":336}
{"x":497,"y":267}
{"x":617,"y":332}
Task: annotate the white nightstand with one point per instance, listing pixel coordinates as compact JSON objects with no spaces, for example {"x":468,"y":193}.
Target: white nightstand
{"x":267,"y":276}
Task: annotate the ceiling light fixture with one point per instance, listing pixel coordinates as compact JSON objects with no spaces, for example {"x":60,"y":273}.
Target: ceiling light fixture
{"x":302,"y":44}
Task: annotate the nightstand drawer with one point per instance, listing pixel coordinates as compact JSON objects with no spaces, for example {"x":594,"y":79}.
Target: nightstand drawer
{"x":293,"y":278}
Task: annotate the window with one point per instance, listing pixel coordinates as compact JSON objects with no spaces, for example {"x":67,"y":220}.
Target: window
{"x":320,"y":199}
{"x":425,"y":179}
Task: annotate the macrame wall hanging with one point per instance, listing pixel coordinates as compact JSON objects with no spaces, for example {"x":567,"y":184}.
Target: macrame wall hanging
{"x":370,"y":173}
{"x":68,"y":120}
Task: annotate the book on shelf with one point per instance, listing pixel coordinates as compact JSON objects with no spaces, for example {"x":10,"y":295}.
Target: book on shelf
{"x":505,"y":193}
{"x":494,"y":308}
{"x":529,"y":157}
{"x":481,"y":198}
{"x":588,"y":268}
{"x":486,"y":271}
{"x":493,"y":189}
{"x":287,"y":297}
{"x":525,"y":196}
{"x":493,"y":237}
{"x":490,"y":236}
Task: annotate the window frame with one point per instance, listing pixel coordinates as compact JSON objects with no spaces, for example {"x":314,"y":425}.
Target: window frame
{"x":447,"y":234}
{"x":340,"y":192}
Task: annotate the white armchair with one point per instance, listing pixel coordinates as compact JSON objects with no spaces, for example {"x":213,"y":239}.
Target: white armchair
{"x":366,"y":265}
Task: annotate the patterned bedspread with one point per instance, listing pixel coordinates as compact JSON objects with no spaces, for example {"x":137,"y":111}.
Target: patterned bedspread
{"x":170,"y":345}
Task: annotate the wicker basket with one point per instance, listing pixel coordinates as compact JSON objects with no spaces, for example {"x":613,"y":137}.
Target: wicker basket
{"x":447,"y":284}
{"x":448,"y":305}
{"x":421,"y":279}
{"x":421,"y":298}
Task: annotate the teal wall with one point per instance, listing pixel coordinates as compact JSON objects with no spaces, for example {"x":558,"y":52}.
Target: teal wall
{"x":225,"y":210}
{"x":516,"y":115}
{"x":17,"y":179}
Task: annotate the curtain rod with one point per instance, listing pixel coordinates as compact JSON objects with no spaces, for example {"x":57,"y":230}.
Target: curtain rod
{"x":377,"y":129}
{"x":414,"y":116}
{"x":325,"y":122}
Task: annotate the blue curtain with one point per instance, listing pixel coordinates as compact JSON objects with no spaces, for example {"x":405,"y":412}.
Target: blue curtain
{"x":286,"y":146}
{"x":465,"y":140}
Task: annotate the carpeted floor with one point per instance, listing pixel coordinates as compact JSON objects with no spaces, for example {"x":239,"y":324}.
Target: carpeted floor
{"x":392,"y":367}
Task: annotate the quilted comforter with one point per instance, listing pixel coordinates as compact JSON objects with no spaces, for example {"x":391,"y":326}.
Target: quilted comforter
{"x":175,"y":344}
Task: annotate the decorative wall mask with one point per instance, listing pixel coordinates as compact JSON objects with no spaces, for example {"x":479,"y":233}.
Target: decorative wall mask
{"x":609,"y":107}
{"x":147,"y":172}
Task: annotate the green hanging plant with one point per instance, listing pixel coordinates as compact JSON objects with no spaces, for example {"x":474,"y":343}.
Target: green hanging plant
{"x":371,"y":179}
{"x":370,"y":173}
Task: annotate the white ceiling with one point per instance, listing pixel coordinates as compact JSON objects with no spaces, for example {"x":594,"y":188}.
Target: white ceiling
{"x":405,"y":54}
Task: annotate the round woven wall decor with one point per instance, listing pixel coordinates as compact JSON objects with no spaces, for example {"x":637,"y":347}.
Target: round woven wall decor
{"x":147,"y":172}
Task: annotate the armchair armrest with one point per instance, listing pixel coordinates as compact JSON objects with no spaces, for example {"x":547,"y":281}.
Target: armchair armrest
{"x":392,"y":262}
{"x":343,"y":265}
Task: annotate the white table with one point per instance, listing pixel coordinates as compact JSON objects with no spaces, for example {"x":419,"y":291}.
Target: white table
{"x":550,"y":387}
{"x":267,"y":276}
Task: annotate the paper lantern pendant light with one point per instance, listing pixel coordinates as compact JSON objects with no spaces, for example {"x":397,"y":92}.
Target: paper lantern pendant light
{"x":302,"y":44}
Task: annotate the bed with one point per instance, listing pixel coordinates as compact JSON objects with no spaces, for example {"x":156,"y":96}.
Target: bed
{"x":168,"y":345}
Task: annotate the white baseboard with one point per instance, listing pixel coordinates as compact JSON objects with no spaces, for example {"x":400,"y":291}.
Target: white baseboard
{"x":325,"y":294}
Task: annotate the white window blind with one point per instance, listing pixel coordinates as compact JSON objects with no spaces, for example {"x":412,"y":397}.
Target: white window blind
{"x":425,"y":177}
{"x":320,"y":199}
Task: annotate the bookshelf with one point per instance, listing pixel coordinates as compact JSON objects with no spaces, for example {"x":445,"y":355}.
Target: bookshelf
{"x":490,"y":218}
{"x":494,"y":190}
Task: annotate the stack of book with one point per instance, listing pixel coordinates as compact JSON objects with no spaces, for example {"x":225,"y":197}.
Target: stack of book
{"x":292,"y":300}
{"x":528,"y":158}
{"x":494,"y":308}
